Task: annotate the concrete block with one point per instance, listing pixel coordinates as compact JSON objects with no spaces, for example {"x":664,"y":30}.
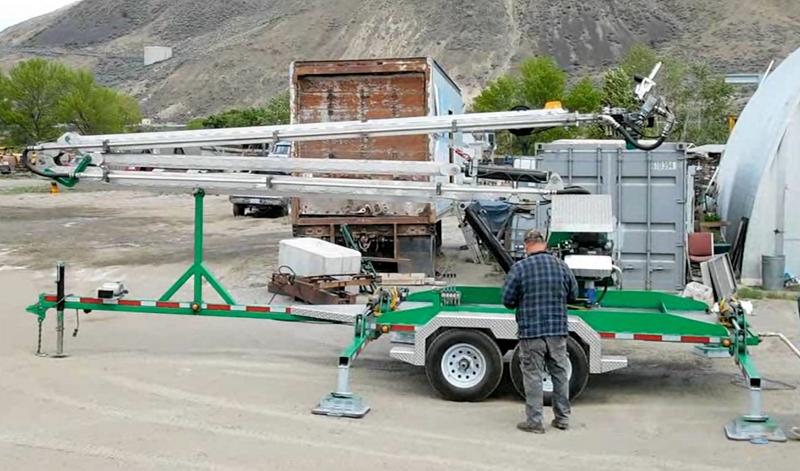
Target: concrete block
{"x":308,"y":256}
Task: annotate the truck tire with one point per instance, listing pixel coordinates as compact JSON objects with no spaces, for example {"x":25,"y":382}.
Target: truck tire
{"x":238,"y":210}
{"x":276,"y":211}
{"x":578,"y":373}
{"x":464,"y":365}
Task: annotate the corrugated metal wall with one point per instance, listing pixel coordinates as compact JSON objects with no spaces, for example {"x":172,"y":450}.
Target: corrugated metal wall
{"x":652,"y":201}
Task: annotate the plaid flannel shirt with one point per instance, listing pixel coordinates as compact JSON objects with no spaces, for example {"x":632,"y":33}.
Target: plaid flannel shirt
{"x":538,"y":287}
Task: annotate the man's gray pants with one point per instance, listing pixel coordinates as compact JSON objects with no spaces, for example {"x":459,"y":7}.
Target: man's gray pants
{"x":535,"y":355}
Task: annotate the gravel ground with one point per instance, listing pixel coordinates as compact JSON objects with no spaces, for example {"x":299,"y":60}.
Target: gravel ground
{"x":151,"y":392}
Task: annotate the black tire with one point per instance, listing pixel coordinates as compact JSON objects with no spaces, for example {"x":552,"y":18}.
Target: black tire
{"x":238,"y":210}
{"x":577,"y":382}
{"x":274,"y":212}
{"x":480,"y":345}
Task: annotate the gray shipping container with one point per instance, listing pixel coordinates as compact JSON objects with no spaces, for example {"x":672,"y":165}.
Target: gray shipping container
{"x":652,"y":201}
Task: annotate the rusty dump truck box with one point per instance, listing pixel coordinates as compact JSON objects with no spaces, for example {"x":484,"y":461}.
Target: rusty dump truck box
{"x":398,"y":232}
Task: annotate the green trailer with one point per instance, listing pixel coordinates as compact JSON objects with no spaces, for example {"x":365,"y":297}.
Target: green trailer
{"x":459,"y":334}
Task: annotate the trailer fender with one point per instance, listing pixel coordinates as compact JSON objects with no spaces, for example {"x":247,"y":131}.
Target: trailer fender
{"x":501,"y":327}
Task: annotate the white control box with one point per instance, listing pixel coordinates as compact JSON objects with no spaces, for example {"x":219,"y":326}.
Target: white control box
{"x":590,"y":266}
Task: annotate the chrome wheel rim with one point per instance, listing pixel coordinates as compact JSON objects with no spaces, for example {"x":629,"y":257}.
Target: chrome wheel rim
{"x":463,"y":366}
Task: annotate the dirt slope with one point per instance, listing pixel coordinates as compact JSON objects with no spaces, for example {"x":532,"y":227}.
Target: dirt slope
{"x":237,"y":52}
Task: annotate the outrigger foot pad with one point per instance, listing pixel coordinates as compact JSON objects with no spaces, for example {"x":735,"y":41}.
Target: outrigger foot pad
{"x":341,"y":405}
{"x":712,"y":351}
{"x":741,"y":428}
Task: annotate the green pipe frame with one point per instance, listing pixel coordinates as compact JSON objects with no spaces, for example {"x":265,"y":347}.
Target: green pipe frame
{"x":198,"y":270}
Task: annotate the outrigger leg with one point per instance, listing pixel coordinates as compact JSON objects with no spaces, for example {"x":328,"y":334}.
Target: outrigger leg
{"x":343,"y":402}
{"x":755,"y":426}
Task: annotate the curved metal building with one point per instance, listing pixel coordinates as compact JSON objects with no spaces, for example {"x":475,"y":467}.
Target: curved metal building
{"x":759,"y":176}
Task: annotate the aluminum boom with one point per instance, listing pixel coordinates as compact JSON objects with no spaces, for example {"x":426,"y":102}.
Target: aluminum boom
{"x":268,"y":164}
{"x":279,"y":185}
{"x":319,"y":131}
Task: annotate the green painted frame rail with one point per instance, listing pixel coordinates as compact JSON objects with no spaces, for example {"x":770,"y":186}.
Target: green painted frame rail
{"x":47,"y":302}
{"x":634,"y":312}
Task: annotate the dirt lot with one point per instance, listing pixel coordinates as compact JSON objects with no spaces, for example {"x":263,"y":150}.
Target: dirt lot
{"x":161,"y":392}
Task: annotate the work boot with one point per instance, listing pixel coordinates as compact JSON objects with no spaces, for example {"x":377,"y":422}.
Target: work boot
{"x":559,"y":425}
{"x":530,"y":428}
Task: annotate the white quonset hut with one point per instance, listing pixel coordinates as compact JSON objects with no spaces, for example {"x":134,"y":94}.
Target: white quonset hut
{"x":759,"y":175}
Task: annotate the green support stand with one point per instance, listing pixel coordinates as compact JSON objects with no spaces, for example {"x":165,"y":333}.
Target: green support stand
{"x":198,"y":270}
{"x":755,"y":426}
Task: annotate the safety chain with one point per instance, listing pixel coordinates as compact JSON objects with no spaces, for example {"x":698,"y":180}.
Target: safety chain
{"x":39,"y":341}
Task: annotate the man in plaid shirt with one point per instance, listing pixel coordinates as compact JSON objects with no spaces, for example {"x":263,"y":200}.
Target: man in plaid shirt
{"x":538,"y":287}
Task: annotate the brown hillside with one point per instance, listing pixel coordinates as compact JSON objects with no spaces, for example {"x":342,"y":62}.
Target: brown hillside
{"x":237,"y":52}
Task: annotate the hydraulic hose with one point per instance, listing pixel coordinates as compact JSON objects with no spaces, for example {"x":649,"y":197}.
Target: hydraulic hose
{"x":602,"y":295}
{"x":633,"y":141}
{"x":783,"y":339}
{"x":630,"y":140}
{"x":616,"y":269}
{"x":36,"y":171}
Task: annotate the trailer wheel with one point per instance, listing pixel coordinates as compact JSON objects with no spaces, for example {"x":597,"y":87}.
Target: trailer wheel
{"x":464,"y":365}
{"x":238,"y":209}
{"x":577,"y":372}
